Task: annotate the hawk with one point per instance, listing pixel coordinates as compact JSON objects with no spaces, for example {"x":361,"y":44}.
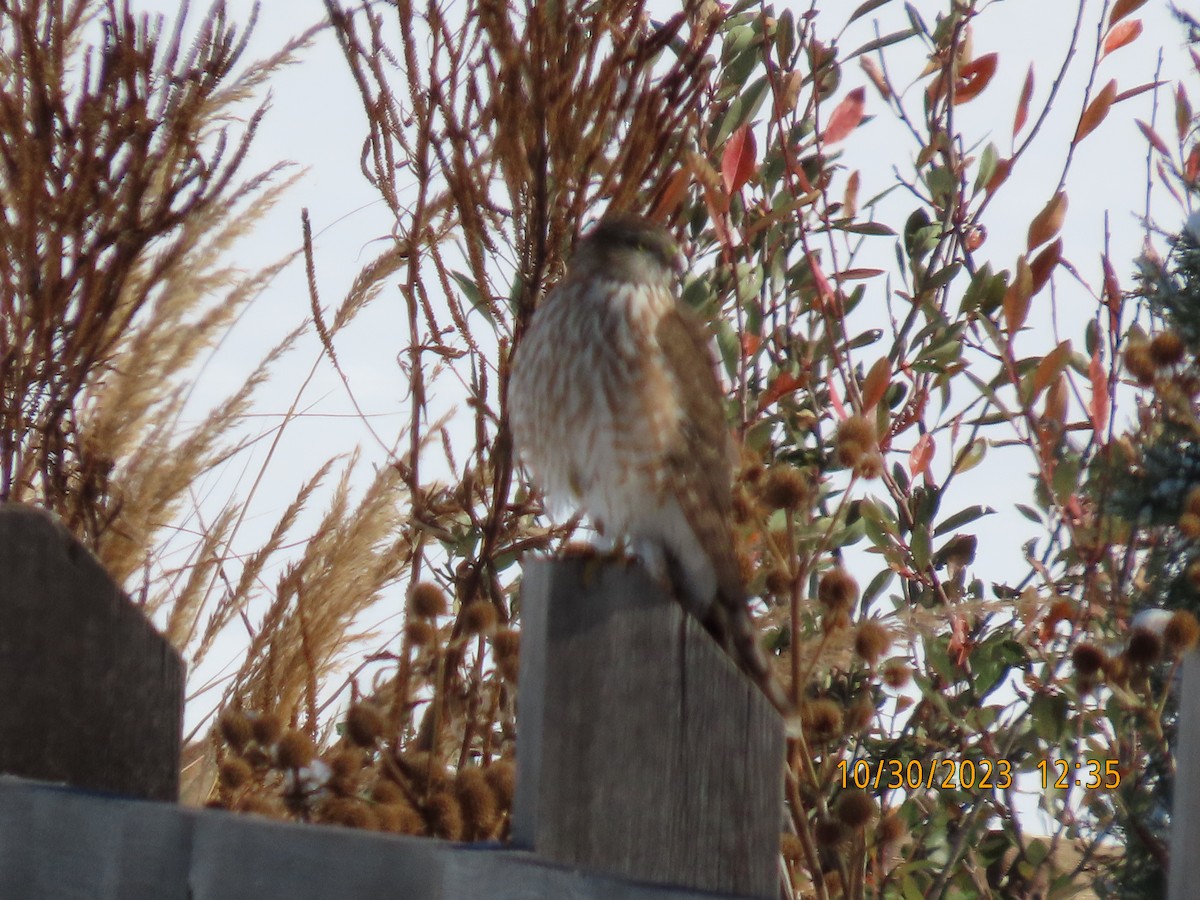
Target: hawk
{"x":615,"y":408}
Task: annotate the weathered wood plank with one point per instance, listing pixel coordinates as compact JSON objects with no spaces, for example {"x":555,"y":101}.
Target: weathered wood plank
{"x":90,"y":693}
{"x":641,"y":748}
{"x":63,"y":844}
{"x":1185,"y":805}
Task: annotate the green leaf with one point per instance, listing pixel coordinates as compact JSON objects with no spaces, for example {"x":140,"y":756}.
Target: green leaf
{"x":987,"y":166}
{"x":864,"y":8}
{"x":471,"y":291}
{"x":741,"y":109}
{"x":971,"y":456}
{"x":963,"y":517}
{"x":873,"y":228}
{"x":919,"y":545}
{"x":884,"y":41}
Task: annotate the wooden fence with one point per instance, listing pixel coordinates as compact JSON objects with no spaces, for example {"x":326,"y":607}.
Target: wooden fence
{"x":647,"y":766}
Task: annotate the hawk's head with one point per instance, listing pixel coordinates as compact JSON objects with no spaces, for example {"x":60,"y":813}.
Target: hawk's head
{"x":628,"y":247}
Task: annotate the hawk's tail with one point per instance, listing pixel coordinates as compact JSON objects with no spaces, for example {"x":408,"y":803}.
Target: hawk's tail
{"x":730,"y":623}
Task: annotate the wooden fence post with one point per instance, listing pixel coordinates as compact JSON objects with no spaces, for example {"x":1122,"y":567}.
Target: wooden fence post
{"x":90,"y":693}
{"x":1185,"y":805}
{"x":641,"y":748}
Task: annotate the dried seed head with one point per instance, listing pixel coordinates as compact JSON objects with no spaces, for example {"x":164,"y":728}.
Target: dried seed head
{"x":822,"y":719}
{"x":260,"y":806}
{"x":896,"y":673}
{"x":502,"y":777}
{"x":778,"y":582}
{"x":1189,"y":525}
{"x":266,"y":727}
{"x":386,"y":791}
{"x":350,"y":813}
{"x":1116,"y":669}
{"x":890,"y":828}
{"x":837,"y":589}
{"x":791,"y":847}
{"x":400,"y":818}
{"x":444,"y":815}
{"x":506,"y":646}
{"x":828,"y":832}
{"x":347,"y":763}
{"x":477,"y":800}
{"x":479,"y":617}
{"x":295,"y":749}
{"x":872,"y":640}
{"x":1145,"y":648}
{"x":1140,"y":364}
{"x":235,"y":729}
{"x":785,"y":487}
{"x":1167,"y":349}
{"x":235,"y":772}
{"x":859,"y":714}
{"x":1181,"y":633}
{"x":427,"y":600}
{"x":855,"y":808}
{"x":419,"y":632}
{"x":1088,"y":659}
{"x":870,"y":466}
{"x":364,"y":723}
{"x":835,"y":620}
{"x":857,"y":430}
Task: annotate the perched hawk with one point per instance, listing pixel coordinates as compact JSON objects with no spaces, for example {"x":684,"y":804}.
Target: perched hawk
{"x":616,"y":409}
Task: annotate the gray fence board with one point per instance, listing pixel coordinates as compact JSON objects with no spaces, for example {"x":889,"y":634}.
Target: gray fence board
{"x":641,"y":748}
{"x":63,"y":844}
{"x":90,"y":693}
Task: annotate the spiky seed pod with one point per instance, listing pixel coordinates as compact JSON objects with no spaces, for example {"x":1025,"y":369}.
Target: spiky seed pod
{"x":822,"y":719}
{"x":400,"y":819}
{"x":870,"y":466}
{"x":502,"y":777}
{"x":828,"y":832}
{"x":1140,"y":364}
{"x":364,"y":723}
{"x":506,"y":646}
{"x":890,"y":828}
{"x":778,"y":582}
{"x":345,"y":766}
{"x":235,"y":729}
{"x":872,"y":640}
{"x":266,"y":727}
{"x":235,"y":772}
{"x":1088,"y":659}
{"x":837,"y":590}
{"x":791,"y":847}
{"x":427,"y":600}
{"x":835,"y":620}
{"x":477,"y":800}
{"x":1167,"y":349}
{"x":1116,"y":669}
{"x":260,"y":806}
{"x":419,"y":632}
{"x":1145,"y":648}
{"x":350,"y":813}
{"x":857,"y":430}
{"x":479,"y":617}
{"x":742,"y":510}
{"x":1189,"y":525}
{"x":385,"y":792}
{"x":785,"y":487}
{"x":444,"y":815}
{"x":295,"y":749}
{"x":423,"y":768}
{"x":896,"y":673}
{"x":855,"y":808}
{"x":1181,"y":633}
{"x":859,"y":714}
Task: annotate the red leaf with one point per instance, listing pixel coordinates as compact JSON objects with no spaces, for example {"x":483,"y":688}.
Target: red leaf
{"x":824,"y":290}
{"x":1096,"y":111}
{"x":1121,"y":9}
{"x":876,"y":383}
{"x":1152,"y":136}
{"x":1098,"y":407}
{"x":1023,"y":102}
{"x":1183,"y":112}
{"x":1043,"y":265}
{"x":750,"y":344}
{"x":921,"y":455}
{"x":1049,"y":221}
{"x":846,"y":116}
{"x":835,"y":400}
{"x":974,"y":77}
{"x":1003,"y":167}
{"x":737,"y":162}
{"x":1122,"y":34}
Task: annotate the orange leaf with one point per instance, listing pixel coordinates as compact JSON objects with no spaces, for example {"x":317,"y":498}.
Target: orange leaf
{"x":850,"y":199}
{"x":784,"y":383}
{"x":1191,"y":168}
{"x":974,"y":77}
{"x":671,"y":195}
{"x":1023,"y":102}
{"x":1152,"y":136}
{"x":824,"y":290}
{"x":1017,"y":297}
{"x":1098,"y":408}
{"x":1183,"y":112}
{"x":1044,"y":264}
{"x":857,"y":274}
{"x":750,"y":344}
{"x":876,"y":75}
{"x":1055,"y":409}
{"x":1123,"y":34}
{"x":1112,"y":294}
{"x":1051,"y":367}
{"x":737,"y":162}
{"x":999,"y":176}
{"x":921,"y":455}
{"x":846,"y":116}
{"x":1121,"y":9}
{"x":875,"y":385}
{"x":1048,"y":222}
{"x":1096,"y":111}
